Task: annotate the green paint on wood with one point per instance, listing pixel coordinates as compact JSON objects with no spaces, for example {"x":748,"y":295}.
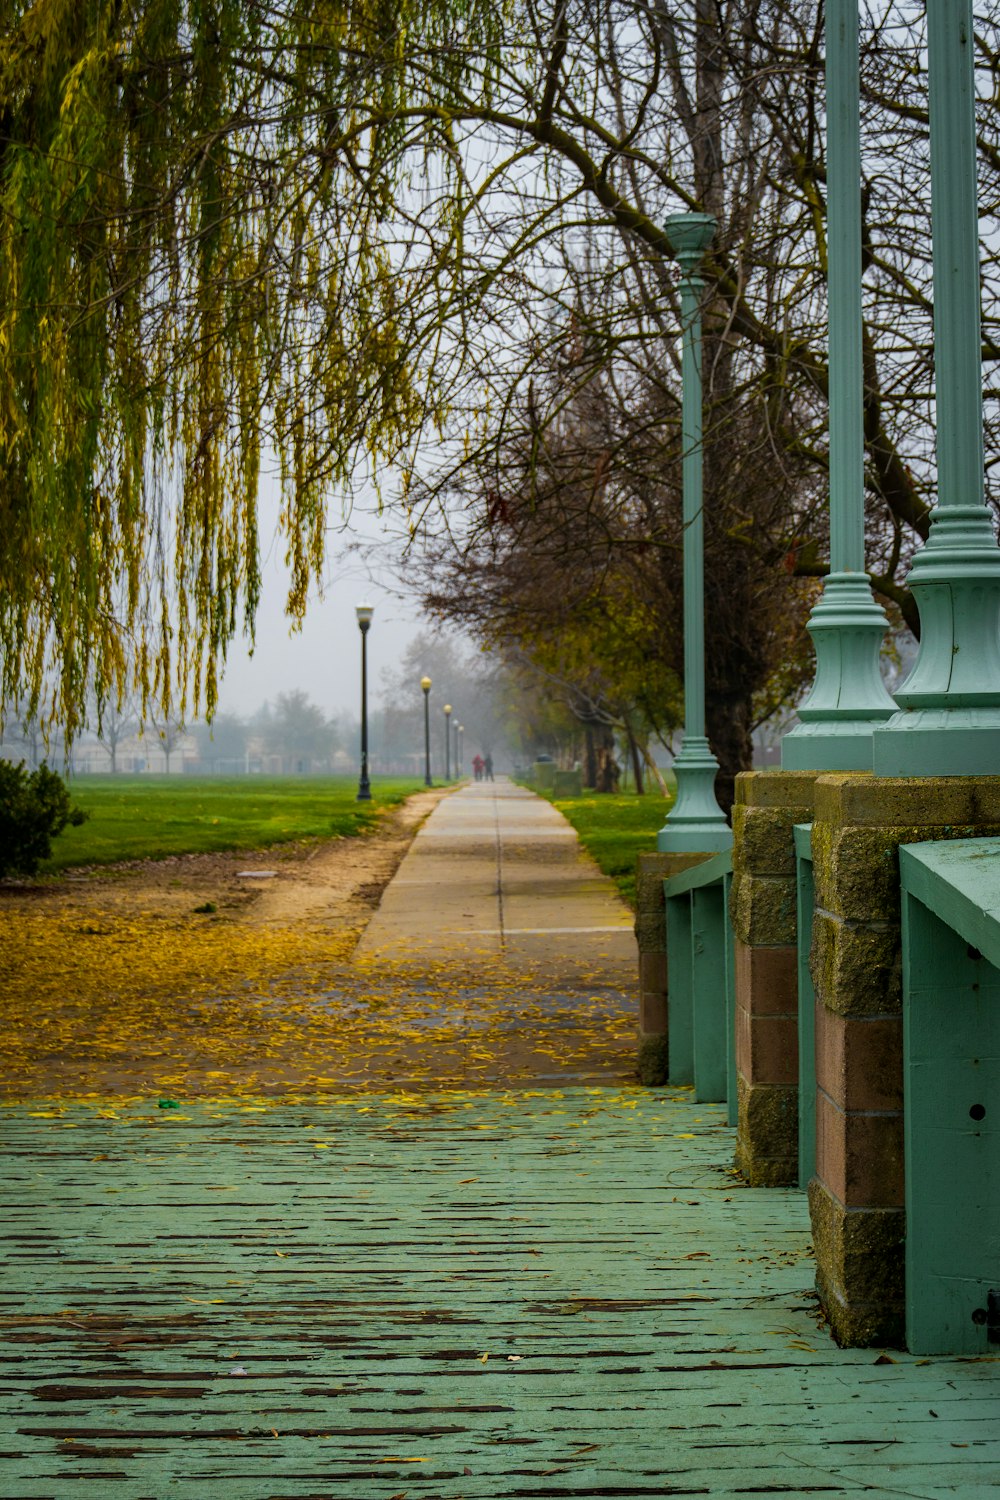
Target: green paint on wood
{"x":256,"y":1300}
{"x":807,"y":1005}
{"x":951,"y":1041}
{"x":680,"y":1003}
{"x":709,"y":939}
{"x":732,"y":1096}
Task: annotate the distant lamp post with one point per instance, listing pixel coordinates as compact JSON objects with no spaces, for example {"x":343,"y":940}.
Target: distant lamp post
{"x":425,"y":684}
{"x":696,"y":821}
{"x":459,"y":744}
{"x":447,"y":742}
{"x":364,"y":613}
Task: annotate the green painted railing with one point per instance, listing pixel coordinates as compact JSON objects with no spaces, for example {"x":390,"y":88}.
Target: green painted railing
{"x":805,"y":896}
{"x":951,"y":1062}
{"x":701,"y":1016}
{"x":951,"y":1091}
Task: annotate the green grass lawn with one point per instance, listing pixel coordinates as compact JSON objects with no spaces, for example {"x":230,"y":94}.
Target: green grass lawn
{"x":149,"y":817}
{"x":615,"y":828}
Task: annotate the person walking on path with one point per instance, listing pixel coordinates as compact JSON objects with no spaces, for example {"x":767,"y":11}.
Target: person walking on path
{"x":488,"y":766}
{"x":477,"y":766}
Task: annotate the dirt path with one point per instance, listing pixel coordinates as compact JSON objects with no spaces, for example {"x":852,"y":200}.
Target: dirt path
{"x":337,"y":882}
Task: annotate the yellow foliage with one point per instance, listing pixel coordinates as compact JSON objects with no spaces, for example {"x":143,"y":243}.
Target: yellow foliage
{"x":95,"y":1001}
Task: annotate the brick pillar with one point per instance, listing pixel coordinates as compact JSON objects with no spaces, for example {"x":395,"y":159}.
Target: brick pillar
{"x":651,"y":935}
{"x":763,"y":914}
{"x":857,"y":1197}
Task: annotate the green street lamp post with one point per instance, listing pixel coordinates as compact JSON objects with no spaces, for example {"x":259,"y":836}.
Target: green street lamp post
{"x":948,"y":722}
{"x":447,"y":742}
{"x":425,"y":684}
{"x":696,"y":821}
{"x":848,"y":698}
{"x":364,"y":613}
{"x":459,"y":743}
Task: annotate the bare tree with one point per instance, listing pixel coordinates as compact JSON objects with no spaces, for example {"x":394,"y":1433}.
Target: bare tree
{"x":170,"y":731}
{"x":116,"y":721}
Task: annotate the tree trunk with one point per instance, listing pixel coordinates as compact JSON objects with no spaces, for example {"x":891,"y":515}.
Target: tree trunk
{"x":608,"y":770}
{"x":640,"y":789}
{"x":728,"y":724}
{"x":653,"y":769}
{"x":590,"y":759}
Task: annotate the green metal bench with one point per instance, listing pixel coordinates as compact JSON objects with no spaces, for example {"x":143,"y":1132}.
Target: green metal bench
{"x":702,"y":998}
{"x":951,"y":1062}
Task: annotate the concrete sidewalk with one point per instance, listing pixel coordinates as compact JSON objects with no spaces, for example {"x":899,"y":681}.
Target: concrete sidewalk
{"x":497,"y":874}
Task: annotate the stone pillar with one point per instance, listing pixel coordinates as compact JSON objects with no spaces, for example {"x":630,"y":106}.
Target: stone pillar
{"x":763,"y":915}
{"x":856,"y":1199}
{"x":651,"y":936}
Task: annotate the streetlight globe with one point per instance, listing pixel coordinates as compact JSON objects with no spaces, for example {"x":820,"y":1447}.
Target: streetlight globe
{"x":425,"y":683}
{"x":447,"y":708}
{"x":364,"y":613}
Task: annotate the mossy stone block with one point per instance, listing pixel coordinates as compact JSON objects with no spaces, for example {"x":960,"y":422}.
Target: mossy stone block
{"x":651,"y":931}
{"x":652,"y":1061}
{"x":762,"y":910}
{"x":767,"y":1133}
{"x":788,"y":789}
{"x":856,"y":969}
{"x":763,"y":842}
{"x":856,"y":872}
{"x":860,"y":1263}
{"x":652,"y":869}
{"x":859,"y":798}
{"x":856,"y":869}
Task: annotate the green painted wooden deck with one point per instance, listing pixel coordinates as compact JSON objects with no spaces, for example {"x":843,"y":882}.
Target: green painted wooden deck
{"x":465,"y":1296}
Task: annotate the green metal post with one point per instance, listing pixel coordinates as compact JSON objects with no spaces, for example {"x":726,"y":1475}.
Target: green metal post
{"x":364,"y":613}
{"x":848,"y":697}
{"x":696,"y":821}
{"x":709,"y":929}
{"x":732,"y":1098}
{"x":680,"y":1007}
{"x":806,"y":903}
{"x":949,"y":718}
{"x":425,"y":684}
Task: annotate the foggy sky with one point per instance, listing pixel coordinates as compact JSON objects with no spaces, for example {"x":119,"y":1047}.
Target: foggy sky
{"x":324,"y":659}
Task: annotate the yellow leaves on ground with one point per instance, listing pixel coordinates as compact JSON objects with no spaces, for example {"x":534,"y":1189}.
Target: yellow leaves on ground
{"x":128,"y":1002}
{"x":84,"y":993}
{"x":51,"y":955}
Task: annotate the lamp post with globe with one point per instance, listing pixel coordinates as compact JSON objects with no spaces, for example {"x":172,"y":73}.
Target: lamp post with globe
{"x":364,"y":613}
{"x":425,"y":684}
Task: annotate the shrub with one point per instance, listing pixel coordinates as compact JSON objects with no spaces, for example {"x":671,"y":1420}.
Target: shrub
{"x":34,"y":807}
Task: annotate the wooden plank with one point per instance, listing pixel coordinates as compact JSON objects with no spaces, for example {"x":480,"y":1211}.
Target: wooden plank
{"x":959,"y":879}
{"x":707,"y":872}
{"x":805,"y":896}
{"x":294,"y":1300}
{"x":951,"y":1047}
{"x":680,"y":996}
{"x":709,"y":936}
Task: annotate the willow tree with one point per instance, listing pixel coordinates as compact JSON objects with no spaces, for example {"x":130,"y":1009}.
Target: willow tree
{"x":200,"y":267}
{"x":314,"y":229}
